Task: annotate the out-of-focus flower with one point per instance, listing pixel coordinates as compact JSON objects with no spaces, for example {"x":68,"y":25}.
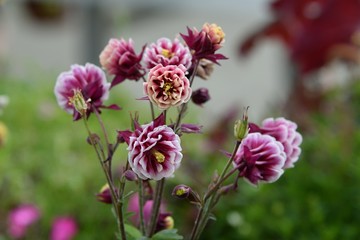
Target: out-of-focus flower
{"x":21,"y":218}
{"x":202,"y":46}
{"x":165,"y":221}
{"x":205,"y":69}
{"x":181,"y":191}
{"x":167,"y":86}
{"x":119,"y":59}
{"x":3,"y":134}
{"x":284,"y":131}
{"x":296,"y":20}
{"x":200,"y":96}
{"x":154,"y":150}
{"x":89,"y":81}
{"x":4,"y":101}
{"x":260,"y":158}
{"x":215,"y":33}
{"x":167,"y":52}
{"x":63,"y":228}
{"x":104,"y":195}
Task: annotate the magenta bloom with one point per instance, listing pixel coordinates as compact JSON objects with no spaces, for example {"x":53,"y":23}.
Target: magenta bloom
{"x":154,"y":150}
{"x":119,"y":59}
{"x":260,"y":158}
{"x":167,"y":52}
{"x":21,"y":218}
{"x":168,"y":86}
{"x":63,"y":228}
{"x":285,"y":132}
{"x":90,"y":80}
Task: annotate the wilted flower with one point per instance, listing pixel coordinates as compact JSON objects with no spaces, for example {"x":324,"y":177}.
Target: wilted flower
{"x":285,"y":132}
{"x":119,"y":59}
{"x":21,"y":218}
{"x":89,"y":81}
{"x":165,"y":221}
{"x":154,"y":150}
{"x":200,"y":96}
{"x":260,"y":158}
{"x":168,"y":86}
{"x":205,"y":69}
{"x":215,"y":34}
{"x":167,"y":52}
{"x":63,"y":228}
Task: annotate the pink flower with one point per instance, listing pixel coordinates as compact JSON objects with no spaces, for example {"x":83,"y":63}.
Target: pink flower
{"x":63,"y":228}
{"x":167,"y":52}
{"x":165,"y":221}
{"x":81,"y":82}
{"x":285,"y":132}
{"x":154,"y":150}
{"x":260,"y":158}
{"x":119,"y":59}
{"x":168,"y":86}
{"x":21,"y":218}
{"x":215,"y":33}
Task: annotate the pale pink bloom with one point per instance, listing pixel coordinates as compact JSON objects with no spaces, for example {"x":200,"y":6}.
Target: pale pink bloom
{"x":215,"y":33}
{"x":21,"y":218}
{"x":260,"y":158}
{"x":167,"y":86}
{"x":90,"y":80}
{"x":154,"y":150}
{"x":167,"y":52}
{"x":63,"y":228}
{"x":119,"y":58}
{"x":285,"y":132}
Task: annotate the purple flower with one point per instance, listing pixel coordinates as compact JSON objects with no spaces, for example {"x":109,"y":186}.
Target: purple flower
{"x":63,"y":228}
{"x":21,"y":218}
{"x":285,"y":132}
{"x":168,"y":86}
{"x":260,"y":158}
{"x":82,"y":85}
{"x":167,"y":52}
{"x":119,"y":59}
{"x":154,"y":150}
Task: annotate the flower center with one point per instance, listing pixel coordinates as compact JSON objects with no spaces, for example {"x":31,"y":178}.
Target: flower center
{"x":160,"y":158}
{"x":78,"y":102}
{"x":167,"y":88}
{"x":166,"y":53}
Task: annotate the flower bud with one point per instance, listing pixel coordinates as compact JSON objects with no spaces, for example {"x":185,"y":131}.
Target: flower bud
{"x":200,"y":96}
{"x":130,"y":175}
{"x":93,"y":139}
{"x":241,"y":127}
{"x":104,"y":195}
{"x":181,"y":191}
{"x":205,"y":69}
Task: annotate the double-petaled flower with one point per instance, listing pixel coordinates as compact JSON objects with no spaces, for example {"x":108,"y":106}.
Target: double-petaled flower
{"x":167,"y":86}
{"x":119,"y":59}
{"x":154,"y":150}
{"x":167,"y":52}
{"x":82,"y":90}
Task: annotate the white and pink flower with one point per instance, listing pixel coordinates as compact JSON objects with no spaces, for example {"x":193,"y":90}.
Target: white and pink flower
{"x":89,"y":80}
{"x":167,"y":52}
{"x":260,"y":158}
{"x":167,"y":86}
{"x":154,"y":150}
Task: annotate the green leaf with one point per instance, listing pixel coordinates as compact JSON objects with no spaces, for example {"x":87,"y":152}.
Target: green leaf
{"x":132,"y":233}
{"x":167,"y":234}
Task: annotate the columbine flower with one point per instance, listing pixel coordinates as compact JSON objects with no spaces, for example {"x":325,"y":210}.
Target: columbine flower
{"x":21,"y":218}
{"x":63,"y":228}
{"x":215,"y":34}
{"x":119,"y":59}
{"x":165,"y":221}
{"x":167,"y":52}
{"x":285,"y":132}
{"x":81,"y":87}
{"x":260,"y":158}
{"x":167,"y":86}
{"x":104,"y":195}
{"x":154,"y":150}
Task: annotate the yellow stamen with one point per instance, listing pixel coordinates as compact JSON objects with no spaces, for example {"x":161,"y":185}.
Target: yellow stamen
{"x":160,"y":158}
{"x":78,"y":101}
{"x":166,"y":53}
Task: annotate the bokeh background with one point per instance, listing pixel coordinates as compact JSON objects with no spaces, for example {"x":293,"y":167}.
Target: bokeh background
{"x":292,"y":58}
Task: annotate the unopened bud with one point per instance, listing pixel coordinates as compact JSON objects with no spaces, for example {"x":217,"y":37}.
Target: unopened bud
{"x":104,"y":195}
{"x":200,"y":96}
{"x":241,"y":127}
{"x":169,"y":222}
{"x":130,"y":175}
{"x":181,"y":191}
{"x":93,"y":139}
{"x":78,"y":102}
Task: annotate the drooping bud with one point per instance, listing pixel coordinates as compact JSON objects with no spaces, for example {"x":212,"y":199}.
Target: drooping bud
{"x":169,"y":222}
{"x":241,"y":127}
{"x":93,"y":139}
{"x":78,"y":102}
{"x":200,"y":96}
{"x":130,"y":175}
{"x":205,"y":69}
{"x":104,"y":195}
{"x":181,"y":191}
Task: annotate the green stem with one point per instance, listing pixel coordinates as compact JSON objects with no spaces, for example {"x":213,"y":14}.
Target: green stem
{"x":141,"y":204}
{"x":156,"y":206}
{"x":151,"y":104}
